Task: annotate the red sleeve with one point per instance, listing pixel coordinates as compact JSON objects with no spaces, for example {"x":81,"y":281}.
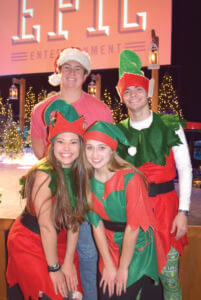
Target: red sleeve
{"x":138,"y":206}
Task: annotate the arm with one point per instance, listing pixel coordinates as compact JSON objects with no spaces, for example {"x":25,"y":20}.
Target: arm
{"x":38,"y":147}
{"x":68,"y":266}
{"x":38,"y":131}
{"x":128,"y":248}
{"x":109,"y":271}
{"x":42,"y":201}
{"x":184,"y":168}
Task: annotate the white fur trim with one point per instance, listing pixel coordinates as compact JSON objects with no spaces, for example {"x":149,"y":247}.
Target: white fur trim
{"x":79,"y":56}
{"x":132,"y":151}
{"x":151,"y":88}
{"x":54,"y":79}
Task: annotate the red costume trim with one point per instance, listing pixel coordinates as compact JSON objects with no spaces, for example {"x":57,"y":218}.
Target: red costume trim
{"x":102,"y":137}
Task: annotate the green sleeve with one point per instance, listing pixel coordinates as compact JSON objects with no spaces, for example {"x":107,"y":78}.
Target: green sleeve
{"x":93,"y":218}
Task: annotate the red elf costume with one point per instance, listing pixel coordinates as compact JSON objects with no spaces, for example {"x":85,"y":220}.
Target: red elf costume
{"x":27,"y":265}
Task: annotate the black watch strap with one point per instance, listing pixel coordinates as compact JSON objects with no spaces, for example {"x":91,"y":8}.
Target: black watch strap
{"x":184,"y":212}
{"x":56,"y":267}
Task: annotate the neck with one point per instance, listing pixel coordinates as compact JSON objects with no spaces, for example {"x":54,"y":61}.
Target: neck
{"x":103,"y":175}
{"x":137,"y":116}
{"x":70,"y":95}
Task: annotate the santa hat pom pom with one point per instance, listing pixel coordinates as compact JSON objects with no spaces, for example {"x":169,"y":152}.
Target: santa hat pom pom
{"x":54,"y":79}
{"x":132,"y":151}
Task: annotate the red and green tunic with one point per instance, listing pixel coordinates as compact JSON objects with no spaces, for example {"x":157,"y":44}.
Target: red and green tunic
{"x":154,"y":158}
{"x":123,"y":198}
{"x":27,"y":264}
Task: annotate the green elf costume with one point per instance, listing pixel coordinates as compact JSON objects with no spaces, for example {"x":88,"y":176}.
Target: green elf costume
{"x":160,"y":143}
{"x":27,"y":265}
{"x":122,"y":201}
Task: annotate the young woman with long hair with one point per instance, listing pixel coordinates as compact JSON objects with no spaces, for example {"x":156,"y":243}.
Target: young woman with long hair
{"x":42,"y":257}
{"x":122,"y":218}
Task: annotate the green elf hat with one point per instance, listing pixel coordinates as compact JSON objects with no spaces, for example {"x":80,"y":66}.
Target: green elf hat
{"x":108,"y":134}
{"x":130,"y":74}
{"x":65,"y":119}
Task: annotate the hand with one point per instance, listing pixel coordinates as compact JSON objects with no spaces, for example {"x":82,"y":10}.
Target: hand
{"x":108,"y":279}
{"x":70,"y":273}
{"x":59,"y":283}
{"x":121,"y":280}
{"x":180,"y":224}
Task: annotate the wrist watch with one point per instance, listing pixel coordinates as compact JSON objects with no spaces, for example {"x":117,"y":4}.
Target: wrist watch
{"x":56,"y":267}
{"x":184,"y":212}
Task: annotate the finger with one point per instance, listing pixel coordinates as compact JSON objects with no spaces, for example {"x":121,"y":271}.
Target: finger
{"x":55,"y":289}
{"x":63,"y":289}
{"x":104,"y":287}
{"x":74,"y":285}
{"x":118,"y":288}
{"x":173,"y":228}
{"x":101,"y":282}
{"x":111,"y":289}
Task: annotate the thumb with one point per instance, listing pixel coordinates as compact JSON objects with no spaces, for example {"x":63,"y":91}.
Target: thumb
{"x":173,"y":227}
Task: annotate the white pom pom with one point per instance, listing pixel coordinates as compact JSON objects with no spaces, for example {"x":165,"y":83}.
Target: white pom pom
{"x":132,"y":151}
{"x":54,"y":79}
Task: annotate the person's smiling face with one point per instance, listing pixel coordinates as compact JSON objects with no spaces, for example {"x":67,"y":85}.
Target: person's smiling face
{"x":66,"y":148}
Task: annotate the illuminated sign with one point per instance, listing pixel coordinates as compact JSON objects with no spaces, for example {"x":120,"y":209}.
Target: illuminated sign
{"x":34,"y":31}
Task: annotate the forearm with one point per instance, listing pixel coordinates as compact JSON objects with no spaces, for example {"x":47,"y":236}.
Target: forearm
{"x":101,"y":242}
{"x":128,"y":247}
{"x":72,"y":239}
{"x":49,"y":242}
{"x":184,"y":168}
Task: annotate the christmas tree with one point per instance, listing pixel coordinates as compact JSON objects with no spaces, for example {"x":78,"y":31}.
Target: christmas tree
{"x":2,"y":122}
{"x":168,"y":100}
{"x":30,"y":101}
{"x":118,"y":109}
{"x":12,"y":140}
{"x":41,"y":96}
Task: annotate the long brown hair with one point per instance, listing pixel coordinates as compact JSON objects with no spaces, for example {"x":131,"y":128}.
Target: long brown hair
{"x":115,"y":164}
{"x":63,"y":215}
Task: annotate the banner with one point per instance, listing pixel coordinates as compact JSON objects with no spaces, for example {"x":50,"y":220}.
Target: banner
{"x":34,"y":31}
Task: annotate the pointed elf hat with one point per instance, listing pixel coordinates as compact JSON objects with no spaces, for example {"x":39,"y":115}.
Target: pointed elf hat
{"x":130,"y":74}
{"x":66,"y":55}
{"x":108,"y":134}
{"x":66,"y":119}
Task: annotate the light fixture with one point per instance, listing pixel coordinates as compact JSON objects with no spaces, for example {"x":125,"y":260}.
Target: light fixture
{"x":153,"y":59}
{"x":92,"y":86}
{"x":13,"y":92}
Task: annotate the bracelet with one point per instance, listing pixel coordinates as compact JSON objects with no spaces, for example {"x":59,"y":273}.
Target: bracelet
{"x":184,"y":212}
{"x":56,"y":267}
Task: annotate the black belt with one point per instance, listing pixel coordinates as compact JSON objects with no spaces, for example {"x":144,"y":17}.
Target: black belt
{"x":160,"y":188}
{"x":114,"y":226}
{"x":29,"y":221}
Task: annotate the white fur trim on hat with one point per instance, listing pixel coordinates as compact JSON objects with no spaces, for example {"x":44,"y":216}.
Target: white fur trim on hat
{"x":132,"y":151}
{"x":77,"y":55}
{"x":54,"y":79}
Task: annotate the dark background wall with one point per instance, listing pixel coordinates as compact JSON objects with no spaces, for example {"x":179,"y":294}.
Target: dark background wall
{"x":185,"y":66}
